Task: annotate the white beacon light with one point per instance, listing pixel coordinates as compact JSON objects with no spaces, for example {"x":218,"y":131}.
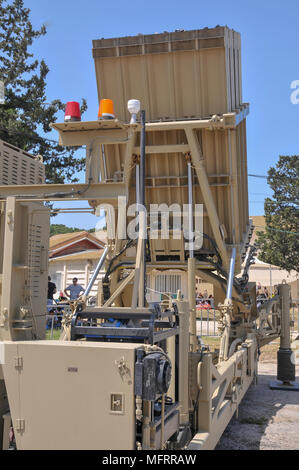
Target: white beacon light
{"x":133,"y":108}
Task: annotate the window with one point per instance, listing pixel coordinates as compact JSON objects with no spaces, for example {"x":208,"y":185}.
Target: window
{"x":168,"y":283}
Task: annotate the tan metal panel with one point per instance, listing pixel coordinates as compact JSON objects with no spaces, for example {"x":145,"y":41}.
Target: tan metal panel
{"x":166,"y":174}
{"x":19,"y":167}
{"x":62,"y":394}
{"x":24,"y":271}
{"x":177,"y":75}
{"x":185,"y":75}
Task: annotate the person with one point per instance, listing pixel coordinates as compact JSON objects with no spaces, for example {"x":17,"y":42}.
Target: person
{"x":51,"y":289}
{"x":266,"y":292}
{"x":258,"y":289}
{"x":74,"y":290}
{"x":199,"y":298}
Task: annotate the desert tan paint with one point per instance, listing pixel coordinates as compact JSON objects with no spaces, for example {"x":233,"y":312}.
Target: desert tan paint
{"x":180,"y":77}
{"x":185,"y":74}
{"x":155,"y":66}
{"x":62,"y":394}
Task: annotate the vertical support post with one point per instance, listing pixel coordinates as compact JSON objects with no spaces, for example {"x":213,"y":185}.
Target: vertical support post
{"x":183,"y":308}
{"x":142,"y":224}
{"x":191,"y":264}
{"x":146,"y":430}
{"x":286,"y":369}
{"x":137,"y":185}
{"x":94,"y":164}
{"x":170,"y":345}
{"x":190,"y":207}
{"x":204,"y":380}
{"x":192,"y":304}
{"x":7,"y":305}
{"x":284,"y":292}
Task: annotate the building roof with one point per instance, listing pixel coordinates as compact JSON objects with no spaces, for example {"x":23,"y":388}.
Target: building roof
{"x":66,"y":243}
{"x":82,"y":255}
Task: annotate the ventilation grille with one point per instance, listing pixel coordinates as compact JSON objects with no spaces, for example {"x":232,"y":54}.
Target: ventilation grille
{"x":18,"y":167}
{"x":34,"y":259}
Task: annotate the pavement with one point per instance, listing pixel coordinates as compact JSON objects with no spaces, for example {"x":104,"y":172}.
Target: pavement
{"x":268,"y":419}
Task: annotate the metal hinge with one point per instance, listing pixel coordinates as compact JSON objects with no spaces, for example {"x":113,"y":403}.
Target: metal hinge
{"x":20,"y":425}
{"x":18,"y":362}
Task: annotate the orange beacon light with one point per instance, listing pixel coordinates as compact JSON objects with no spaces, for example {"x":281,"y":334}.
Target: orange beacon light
{"x":106,"y":109}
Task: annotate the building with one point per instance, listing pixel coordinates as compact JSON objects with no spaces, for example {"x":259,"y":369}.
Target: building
{"x":74,"y":255}
{"x":268,"y":275}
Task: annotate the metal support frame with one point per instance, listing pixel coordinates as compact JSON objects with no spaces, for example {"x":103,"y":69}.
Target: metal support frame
{"x":142,"y":214}
{"x":101,"y":192}
{"x":221,"y":387}
{"x":286,"y":368}
{"x":227,"y":310}
{"x":151,"y":329}
{"x":221,"y":390}
{"x":198,"y":163}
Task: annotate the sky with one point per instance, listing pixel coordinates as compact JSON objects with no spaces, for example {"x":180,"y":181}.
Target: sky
{"x":270,"y":63}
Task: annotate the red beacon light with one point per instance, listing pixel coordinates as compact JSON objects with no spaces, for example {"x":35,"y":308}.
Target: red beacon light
{"x":72,"y":112}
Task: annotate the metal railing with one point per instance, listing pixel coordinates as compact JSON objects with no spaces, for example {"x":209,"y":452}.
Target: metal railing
{"x":52,"y":321}
{"x":295,"y":315}
{"x":207,"y":321}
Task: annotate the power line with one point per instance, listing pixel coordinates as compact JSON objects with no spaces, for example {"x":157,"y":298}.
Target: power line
{"x":277,"y":230}
{"x":259,"y":176}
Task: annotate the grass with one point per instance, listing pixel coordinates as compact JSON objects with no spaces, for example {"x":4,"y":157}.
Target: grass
{"x":212,"y":341}
{"x":268,"y":352}
{"x":56,"y":334}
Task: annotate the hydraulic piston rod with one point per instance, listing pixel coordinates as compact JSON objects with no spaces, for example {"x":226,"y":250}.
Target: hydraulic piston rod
{"x":231,"y":275}
{"x":96,"y":271}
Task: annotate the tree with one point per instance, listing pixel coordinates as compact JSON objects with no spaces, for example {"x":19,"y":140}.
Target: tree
{"x":57,"y":229}
{"x":279,"y":243}
{"x":25,"y":112}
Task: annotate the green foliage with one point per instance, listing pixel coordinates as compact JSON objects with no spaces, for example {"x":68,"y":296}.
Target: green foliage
{"x":25,"y":112}
{"x":56,"y":229}
{"x":279,"y":243}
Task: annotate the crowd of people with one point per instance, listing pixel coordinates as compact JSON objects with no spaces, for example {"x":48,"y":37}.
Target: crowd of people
{"x":71,"y":292}
{"x":263,"y":292}
{"x":204,"y":300}
{"x":56,"y":305}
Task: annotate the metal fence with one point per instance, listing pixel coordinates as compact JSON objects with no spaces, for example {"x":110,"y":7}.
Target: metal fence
{"x":207,"y":321}
{"x":295,"y":315}
{"x":53,"y":322}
